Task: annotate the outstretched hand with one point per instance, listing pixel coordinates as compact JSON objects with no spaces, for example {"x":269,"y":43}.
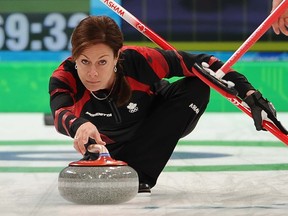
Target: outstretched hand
{"x":280,"y":26}
{"x":262,"y":109}
{"x":84,"y":132}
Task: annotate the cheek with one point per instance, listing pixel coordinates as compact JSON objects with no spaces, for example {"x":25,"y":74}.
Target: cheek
{"x":104,"y":72}
{"x":107,"y":76}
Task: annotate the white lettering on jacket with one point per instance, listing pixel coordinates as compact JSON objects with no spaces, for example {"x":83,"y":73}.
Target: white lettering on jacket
{"x":99,"y":114}
{"x":194,"y":108}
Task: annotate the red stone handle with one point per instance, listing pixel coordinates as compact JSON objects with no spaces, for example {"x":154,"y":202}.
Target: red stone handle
{"x":104,"y":158}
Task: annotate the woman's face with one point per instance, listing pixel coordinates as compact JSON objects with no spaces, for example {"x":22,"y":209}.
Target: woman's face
{"x":95,"y":67}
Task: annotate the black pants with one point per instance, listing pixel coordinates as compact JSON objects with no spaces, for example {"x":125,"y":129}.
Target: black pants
{"x":175,"y":114}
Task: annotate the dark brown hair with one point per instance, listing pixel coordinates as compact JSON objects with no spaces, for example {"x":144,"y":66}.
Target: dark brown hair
{"x":102,"y":29}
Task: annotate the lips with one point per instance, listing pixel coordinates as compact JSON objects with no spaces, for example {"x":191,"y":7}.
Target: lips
{"x":92,"y":82}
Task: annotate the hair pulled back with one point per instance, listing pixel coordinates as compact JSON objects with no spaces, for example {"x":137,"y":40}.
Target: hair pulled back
{"x":94,"y":30}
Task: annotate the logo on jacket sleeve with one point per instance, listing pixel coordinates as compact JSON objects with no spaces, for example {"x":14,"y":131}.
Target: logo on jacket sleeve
{"x":194,"y":108}
{"x":132,"y":107}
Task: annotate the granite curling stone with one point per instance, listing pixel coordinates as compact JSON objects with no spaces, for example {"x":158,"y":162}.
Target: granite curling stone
{"x":100,"y":182}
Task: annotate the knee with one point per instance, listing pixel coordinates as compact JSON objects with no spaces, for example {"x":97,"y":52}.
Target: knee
{"x":198,"y":90}
{"x":204,"y":89}
{"x":199,"y":94}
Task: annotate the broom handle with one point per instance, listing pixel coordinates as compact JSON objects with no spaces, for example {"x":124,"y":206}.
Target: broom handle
{"x":133,"y":21}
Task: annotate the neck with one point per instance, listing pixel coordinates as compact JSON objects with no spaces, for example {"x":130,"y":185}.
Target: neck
{"x":107,"y":95}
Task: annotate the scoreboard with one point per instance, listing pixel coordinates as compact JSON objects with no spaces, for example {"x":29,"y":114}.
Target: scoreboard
{"x":39,"y":24}
{"x":41,"y":31}
{"x":44,"y":26}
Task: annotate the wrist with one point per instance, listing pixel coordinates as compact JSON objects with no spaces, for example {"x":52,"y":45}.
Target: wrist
{"x":250,"y":92}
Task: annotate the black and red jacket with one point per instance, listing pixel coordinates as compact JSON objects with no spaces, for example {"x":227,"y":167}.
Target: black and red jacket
{"x":72,"y":104}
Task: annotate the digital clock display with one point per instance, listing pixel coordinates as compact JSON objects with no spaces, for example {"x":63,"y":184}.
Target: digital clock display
{"x":21,"y":31}
{"x":39,"y":24}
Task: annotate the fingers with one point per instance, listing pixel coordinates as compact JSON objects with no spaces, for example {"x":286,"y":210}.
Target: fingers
{"x":83,"y":133}
{"x":257,"y":120}
{"x":283,"y":26}
{"x":79,"y":143}
{"x":275,"y":27}
{"x":98,"y":139}
{"x":280,"y":26}
{"x":82,"y":138}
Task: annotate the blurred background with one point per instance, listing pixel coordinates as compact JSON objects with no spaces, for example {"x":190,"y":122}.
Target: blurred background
{"x":35,"y":39}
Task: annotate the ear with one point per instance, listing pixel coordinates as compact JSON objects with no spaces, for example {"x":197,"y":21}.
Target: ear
{"x":118,"y":54}
{"x":117,"y":57}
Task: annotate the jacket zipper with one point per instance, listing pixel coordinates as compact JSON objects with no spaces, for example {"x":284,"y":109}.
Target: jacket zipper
{"x":115,"y":111}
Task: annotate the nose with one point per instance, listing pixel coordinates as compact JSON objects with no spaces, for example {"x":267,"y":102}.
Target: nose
{"x":93,"y":72}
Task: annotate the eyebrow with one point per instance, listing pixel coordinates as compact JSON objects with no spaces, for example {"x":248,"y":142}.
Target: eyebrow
{"x":85,"y":56}
{"x":98,"y":58}
{"x":104,"y":56}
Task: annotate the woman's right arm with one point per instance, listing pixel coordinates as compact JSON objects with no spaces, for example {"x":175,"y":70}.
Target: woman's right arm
{"x":62,"y":88}
{"x":66,"y":114}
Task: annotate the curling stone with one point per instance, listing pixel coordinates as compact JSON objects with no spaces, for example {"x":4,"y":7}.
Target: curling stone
{"x":99,"y":182}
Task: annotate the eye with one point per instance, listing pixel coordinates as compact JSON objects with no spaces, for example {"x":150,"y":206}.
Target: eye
{"x":85,"y":61}
{"x":102,"y":62}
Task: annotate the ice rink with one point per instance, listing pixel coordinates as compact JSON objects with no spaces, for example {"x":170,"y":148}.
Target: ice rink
{"x":225,"y":167}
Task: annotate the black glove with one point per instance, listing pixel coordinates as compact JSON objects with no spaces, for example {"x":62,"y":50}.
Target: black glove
{"x":89,"y":155}
{"x":258,"y":104}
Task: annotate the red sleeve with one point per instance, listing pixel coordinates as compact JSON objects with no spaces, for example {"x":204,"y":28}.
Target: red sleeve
{"x":63,"y":103}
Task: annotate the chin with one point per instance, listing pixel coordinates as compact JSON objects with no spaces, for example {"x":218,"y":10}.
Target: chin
{"x":92,"y":88}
